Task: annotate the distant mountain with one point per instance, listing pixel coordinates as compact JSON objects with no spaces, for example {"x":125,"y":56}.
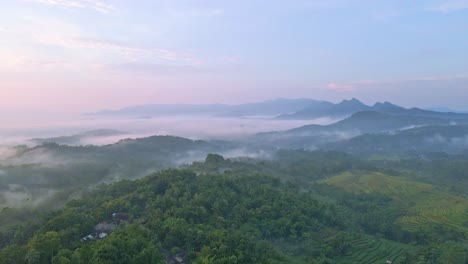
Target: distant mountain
{"x":281,"y":109}
{"x":439,"y":138}
{"x":267,"y":108}
{"x":441,"y":109}
{"x":82,"y":138}
{"x":387,"y":107}
{"x":358,"y":124}
{"x":326,"y":109}
{"x":445,"y":110}
{"x":270,"y":107}
{"x":371,"y":122}
{"x":348,"y":107}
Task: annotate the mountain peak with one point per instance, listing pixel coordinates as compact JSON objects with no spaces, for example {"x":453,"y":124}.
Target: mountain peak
{"x":387,"y":106}
{"x":386,"y":103}
{"x":352,"y":101}
{"x":367,"y":115}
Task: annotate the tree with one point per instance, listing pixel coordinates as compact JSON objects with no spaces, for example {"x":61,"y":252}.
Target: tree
{"x":47,"y":244}
{"x":214,"y":159}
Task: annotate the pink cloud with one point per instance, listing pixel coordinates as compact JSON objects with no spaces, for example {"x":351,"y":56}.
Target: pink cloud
{"x":127,"y":52}
{"x":340,"y":87}
{"x":96,"y":5}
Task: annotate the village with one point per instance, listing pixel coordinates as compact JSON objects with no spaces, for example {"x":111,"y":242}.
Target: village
{"x":105,"y":228}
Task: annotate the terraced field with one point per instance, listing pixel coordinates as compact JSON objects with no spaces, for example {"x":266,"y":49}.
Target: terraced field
{"x":421,"y":203}
{"x":374,"y":251}
{"x":454,"y":216}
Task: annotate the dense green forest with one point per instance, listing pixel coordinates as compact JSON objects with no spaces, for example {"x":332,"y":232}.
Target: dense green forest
{"x":297,"y":207}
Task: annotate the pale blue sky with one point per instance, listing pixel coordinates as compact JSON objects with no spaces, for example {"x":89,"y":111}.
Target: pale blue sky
{"x":84,"y":55}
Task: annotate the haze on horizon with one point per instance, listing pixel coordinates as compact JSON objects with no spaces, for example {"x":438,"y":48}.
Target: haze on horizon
{"x":61,"y":57}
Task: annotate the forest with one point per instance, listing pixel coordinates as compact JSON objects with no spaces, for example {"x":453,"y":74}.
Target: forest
{"x":297,"y":207}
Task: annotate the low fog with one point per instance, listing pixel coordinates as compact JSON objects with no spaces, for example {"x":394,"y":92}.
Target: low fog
{"x":45,"y":164}
{"x":36,"y":175}
{"x":458,"y":142}
{"x":198,"y":127}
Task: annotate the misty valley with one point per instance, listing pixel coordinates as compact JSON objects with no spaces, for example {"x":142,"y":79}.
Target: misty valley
{"x":233,"y":132}
{"x":291,"y":181}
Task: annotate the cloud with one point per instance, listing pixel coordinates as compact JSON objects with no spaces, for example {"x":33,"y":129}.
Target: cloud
{"x":126,"y":52}
{"x":340,"y":87}
{"x":461,"y":142}
{"x":72,"y":47}
{"x":195,"y":12}
{"x":6,"y":152}
{"x":450,"y":6}
{"x":99,"y":6}
{"x":159,"y":69}
{"x":218,"y":65}
{"x":36,"y":63}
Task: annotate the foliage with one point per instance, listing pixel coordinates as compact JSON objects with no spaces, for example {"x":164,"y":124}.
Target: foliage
{"x":297,"y":207}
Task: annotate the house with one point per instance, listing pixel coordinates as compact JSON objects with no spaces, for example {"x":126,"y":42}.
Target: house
{"x":87,"y":238}
{"x":119,"y":217}
{"x":104,"y":227}
{"x":101,"y":231}
{"x":178,"y":258}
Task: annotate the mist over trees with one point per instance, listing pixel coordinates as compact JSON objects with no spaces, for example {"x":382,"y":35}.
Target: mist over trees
{"x":371,"y":188}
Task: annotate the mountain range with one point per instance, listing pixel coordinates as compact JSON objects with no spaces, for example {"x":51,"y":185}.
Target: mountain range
{"x":348,"y":107}
{"x":360,"y":123}
{"x":266,"y":108}
{"x":283,"y":109}
{"x":357,"y":122}
{"x":426,"y":139}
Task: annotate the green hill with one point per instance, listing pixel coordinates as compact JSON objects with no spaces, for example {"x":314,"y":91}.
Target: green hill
{"x":293,"y":209}
{"x":434,"y":138}
{"x":201,"y":219}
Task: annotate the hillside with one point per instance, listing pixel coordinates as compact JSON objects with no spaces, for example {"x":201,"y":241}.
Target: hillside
{"x":177,"y":214}
{"x":446,"y":138}
{"x":421,"y":203}
{"x":372,"y":122}
{"x":299,"y":207}
{"x":316,"y":136}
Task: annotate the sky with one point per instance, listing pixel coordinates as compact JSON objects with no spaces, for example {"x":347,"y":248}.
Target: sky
{"x":75,"y":56}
